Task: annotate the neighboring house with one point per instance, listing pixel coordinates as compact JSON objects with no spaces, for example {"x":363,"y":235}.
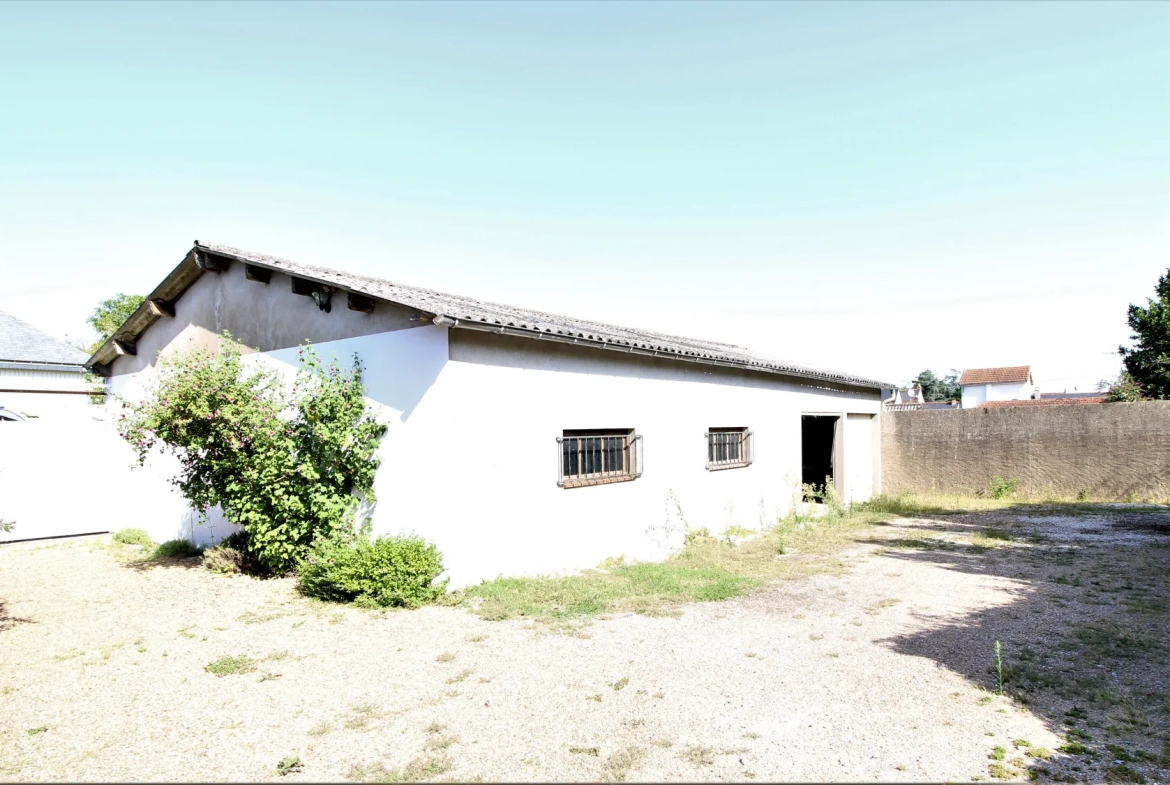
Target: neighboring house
{"x":40,"y":376}
{"x":985,"y":385}
{"x":519,"y":441}
{"x":902,"y":400}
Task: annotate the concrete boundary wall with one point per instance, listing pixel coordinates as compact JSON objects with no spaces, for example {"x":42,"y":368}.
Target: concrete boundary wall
{"x":1115,"y":451}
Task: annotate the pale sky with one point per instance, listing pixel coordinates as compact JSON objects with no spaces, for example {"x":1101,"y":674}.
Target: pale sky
{"x":871,"y":187}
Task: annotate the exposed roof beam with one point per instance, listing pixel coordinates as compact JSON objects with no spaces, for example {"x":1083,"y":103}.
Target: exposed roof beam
{"x":359,"y":302}
{"x":254,"y":272}
{"x":160,"y":308}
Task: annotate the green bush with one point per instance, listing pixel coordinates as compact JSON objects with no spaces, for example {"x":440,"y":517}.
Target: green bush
{"x":177,"y":549}
{"x":133,"y":537}
{"x":386,"y":572}
{"x":232,"y":555}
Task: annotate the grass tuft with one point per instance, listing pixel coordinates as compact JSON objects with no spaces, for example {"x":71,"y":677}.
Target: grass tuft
{"x":229,"y":666}
{"x":133,"y":537}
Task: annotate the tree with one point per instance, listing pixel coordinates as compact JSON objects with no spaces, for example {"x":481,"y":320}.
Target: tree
{"x":936,"y":389}
{"x":111,"y":314}
{"x":289,"y":465}
{"x":1147,"y":363}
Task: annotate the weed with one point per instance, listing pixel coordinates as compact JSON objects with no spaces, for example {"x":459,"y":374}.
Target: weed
{"x":337,"y":618}
{"x":1073,"y":748}
{"x":998,"y":753}
{"x":1001,"y":772}
{"x":445,"y":657}
{"x":227,"y":666}
{"x":1120,"y":773}
{"x":264,"y":615}
{"x":659,"y":695}
{"x":594,"y":751}
{"x":877,"y":607}
{"x":1002,"y":488}
{"x":435,"y":727}
{"x":177,"y":549}
{"x":1018,"y":743}
{"x":321,"y":728}
{"x":617,"y":766}
{"x":463,"y":674}
{"x":697,"y":755}
{"x":37,"y":731}
{"x":363,"y":714}
{"x":998,"y":668}
{"x":476,"y":638}
{"x":441,"y":742}
{"x":418,"y":769}
{"x":133,"y":537}
{"x":663,"y":743}
{"x":186,"y":632}
{"x":288,"y":765}
{"x":620,"y":684}
{"x":596,"y":698}
{"x":816,"y":636}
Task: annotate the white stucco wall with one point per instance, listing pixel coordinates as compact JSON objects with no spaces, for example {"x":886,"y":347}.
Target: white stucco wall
{"x":43,"y":393}
{"x":974,"y":395}
{"x":470,"y":456}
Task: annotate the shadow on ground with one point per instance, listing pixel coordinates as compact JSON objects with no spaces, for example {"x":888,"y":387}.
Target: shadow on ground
{"x":1085,"y":636}
{"x":8,"y":621}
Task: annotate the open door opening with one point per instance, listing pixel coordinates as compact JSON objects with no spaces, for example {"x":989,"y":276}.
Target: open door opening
{"x":818,"y":437}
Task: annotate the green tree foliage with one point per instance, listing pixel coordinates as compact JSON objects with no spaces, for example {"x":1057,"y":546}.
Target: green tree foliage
{"x":936,"y":389}
{"x":111,"y":314}
{"x":1123,"y":388}
{"x":289,"y":465}
{"x":1148,"y":362}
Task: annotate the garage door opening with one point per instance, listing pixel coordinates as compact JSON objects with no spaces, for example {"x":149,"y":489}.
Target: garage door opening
{"x":818,"y":436}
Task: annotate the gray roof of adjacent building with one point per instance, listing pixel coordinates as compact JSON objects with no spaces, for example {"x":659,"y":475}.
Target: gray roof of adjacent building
{"x":457,"y":311}
{"x":20,"y":342}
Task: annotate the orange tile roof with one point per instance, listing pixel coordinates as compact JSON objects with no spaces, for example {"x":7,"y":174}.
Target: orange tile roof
{"x":1016,"y":374}
{"x":1042,"y":402}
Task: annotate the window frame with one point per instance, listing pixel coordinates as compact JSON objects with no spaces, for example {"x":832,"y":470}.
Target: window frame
{"x":745,"y":445}
{"x":599,"y":447}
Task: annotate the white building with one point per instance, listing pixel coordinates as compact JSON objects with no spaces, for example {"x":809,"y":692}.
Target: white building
{"x":988,"y":385}
{"x":519,"y":441}
{"x":40,"y":376}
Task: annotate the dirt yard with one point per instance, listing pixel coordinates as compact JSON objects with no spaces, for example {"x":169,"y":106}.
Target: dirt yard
{"x":882,"y":673}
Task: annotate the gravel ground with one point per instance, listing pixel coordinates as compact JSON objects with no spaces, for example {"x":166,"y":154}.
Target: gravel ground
{"x":879,"y":674}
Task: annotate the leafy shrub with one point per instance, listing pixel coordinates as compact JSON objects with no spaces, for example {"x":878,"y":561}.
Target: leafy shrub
{"x":1002,"y":488}
{"x":232,"y":555}
{"x":388,"y":571}
{"x":177,"y":549}
{"x":287,"y":465}
{"x":133,"y":537}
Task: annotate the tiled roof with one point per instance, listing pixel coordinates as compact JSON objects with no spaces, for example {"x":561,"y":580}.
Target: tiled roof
{"x":1043,"y":402}
{"x":1016,"y":374}
{"x":480,"y":314}
{"x":21,"y":342}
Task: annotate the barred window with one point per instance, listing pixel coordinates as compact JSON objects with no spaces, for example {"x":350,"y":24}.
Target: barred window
{"x":596,"y":456}
{"x":728,"y":448}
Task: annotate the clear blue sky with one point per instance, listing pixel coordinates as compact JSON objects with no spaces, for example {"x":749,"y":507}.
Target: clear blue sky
{"x":874,"y":187}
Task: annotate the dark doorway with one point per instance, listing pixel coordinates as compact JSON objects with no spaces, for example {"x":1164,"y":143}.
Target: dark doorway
{"x":817,"y":442}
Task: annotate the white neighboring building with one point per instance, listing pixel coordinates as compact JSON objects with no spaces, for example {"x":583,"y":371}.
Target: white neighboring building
{"x":988,"y":385}
{"x":518,"y":441}
{"x":40,"y":376}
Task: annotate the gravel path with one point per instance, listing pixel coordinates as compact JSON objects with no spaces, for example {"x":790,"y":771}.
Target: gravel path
{"x":799,"y":682}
